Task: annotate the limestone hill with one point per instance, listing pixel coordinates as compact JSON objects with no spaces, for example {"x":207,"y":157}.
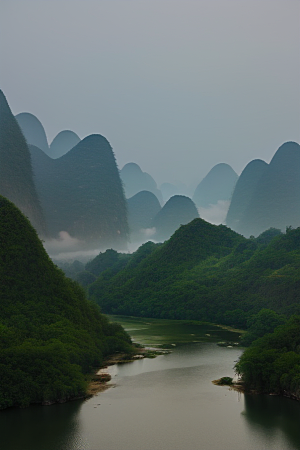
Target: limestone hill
{"x":135,"y":180}
{"x":179,"y":210}
{"x":82,"y":194}
{"x":62,"y":143}
{"x":217,"y":185}
{"x":142,"y":208}
{"x":16,"y":177}
{"x":276,"y":199}
{"x":243,"y":192}
{"x":33,"y":130}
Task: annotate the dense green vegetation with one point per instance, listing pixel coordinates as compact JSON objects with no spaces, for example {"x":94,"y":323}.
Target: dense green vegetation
{"x":272,"y":363}
{"x":206,"y":272}
{"x":211,"y":273}
{"x":50,"y":334}
{"x":16,"y":177}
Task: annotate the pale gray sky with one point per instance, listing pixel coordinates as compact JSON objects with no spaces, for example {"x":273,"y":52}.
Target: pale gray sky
{"x":175,"y":86}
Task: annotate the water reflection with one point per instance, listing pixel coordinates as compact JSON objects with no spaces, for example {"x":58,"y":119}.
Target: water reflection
{"x":42,"y":428}
{"x":273,"y":418}
{"x":166,"y":403}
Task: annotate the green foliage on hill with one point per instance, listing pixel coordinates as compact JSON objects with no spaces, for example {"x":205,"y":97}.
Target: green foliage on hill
{"x":272,"y":363}
{"x":260,"y":324}
{"x":50,"y":334}
{"x":207,"y":272}
{"x":16,"y":177}
{"x":103,"y":262}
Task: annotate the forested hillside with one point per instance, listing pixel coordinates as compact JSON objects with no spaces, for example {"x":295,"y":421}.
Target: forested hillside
{"x":50,"y":334}
{"x":272,"y":363}
{"x":207,"y":272}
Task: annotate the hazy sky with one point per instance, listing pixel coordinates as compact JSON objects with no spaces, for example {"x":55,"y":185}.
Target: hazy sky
{"x":175,"y":86}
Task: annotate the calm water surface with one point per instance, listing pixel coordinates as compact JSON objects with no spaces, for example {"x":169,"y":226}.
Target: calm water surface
{"x":166,"y":403}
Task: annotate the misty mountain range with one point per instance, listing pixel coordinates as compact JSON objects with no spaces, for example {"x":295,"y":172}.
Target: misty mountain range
{"x":268,"y":195}
{"x":74,"y":186}
{"x":81,"y":193}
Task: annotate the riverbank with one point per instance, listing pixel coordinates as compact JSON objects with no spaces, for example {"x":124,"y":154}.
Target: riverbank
{"x":99,"y":381}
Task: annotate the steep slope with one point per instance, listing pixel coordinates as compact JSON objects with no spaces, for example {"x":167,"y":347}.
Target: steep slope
{"x":146,"y":288}
{"x":33,"y":130}
{"x":217,"y":185}
{"x":179,"y":210}
{"x":207,"y":272}
{"x":82,"y":194}
{"x":276,"y":199}
{"x":50,"y":334}
{"x":243,"y":192}
{"x":16,"y":177}
{"x":62,"y":143}
{"x":135,"y":180}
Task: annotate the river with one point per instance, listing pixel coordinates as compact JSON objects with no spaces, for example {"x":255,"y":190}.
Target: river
{"x":165,"y":403}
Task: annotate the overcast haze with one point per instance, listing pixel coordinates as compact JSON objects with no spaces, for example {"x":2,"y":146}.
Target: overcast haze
{"x":175,"y":86}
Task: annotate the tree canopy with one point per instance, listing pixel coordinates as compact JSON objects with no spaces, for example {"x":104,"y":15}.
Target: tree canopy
{"x":50,"y":334}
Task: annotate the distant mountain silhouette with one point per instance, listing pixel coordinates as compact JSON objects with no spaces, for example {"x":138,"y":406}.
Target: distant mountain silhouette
{"x":16,"y":176}
{"x":217,"y":185}
{"x":33,"y":130}
{"x":135,"y":180}
{"x":179,"y":210}
{"x":142,"y":208}
{"x":276,"y":199}
{"x":82,"y":193}
{"x":62,"y":143}
{"x":243,"y":192}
